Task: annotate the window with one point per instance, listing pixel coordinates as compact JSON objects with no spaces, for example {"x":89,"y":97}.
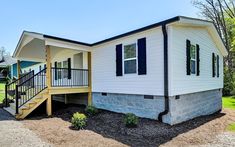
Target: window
{"x":215,"y":65}
{"x":59,"y":66}
{"x":62,"y":69}
{"x":193,"y":59}
{"x":130,"y":59}
{"x":65,"y":70}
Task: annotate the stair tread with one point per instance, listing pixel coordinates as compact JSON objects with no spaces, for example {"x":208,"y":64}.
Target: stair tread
{"x":13,"y":106}
{"x":10,"y":110}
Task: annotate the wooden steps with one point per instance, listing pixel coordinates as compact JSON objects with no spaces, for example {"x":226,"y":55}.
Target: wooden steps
{"x":28,"y":107}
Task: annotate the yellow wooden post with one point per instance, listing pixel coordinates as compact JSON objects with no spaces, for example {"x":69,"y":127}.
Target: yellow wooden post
{"x":18,"y":69}
{"x":48,"y":79}
{"x":89,"y":79}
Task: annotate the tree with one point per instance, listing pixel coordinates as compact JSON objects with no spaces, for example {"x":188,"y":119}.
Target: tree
{"x":3,"y":51}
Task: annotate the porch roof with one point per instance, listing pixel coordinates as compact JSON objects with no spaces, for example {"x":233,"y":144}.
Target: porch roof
{"x":31,"y":46}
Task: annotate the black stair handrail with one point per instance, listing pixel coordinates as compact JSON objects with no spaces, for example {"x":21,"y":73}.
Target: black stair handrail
{"x":27,"y":74}
{"x":31,"y":87}
{"x":10,"y":87}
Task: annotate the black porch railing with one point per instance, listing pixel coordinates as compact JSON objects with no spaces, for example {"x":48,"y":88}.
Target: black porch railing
{"x":10,"y":88}
{"x":25,"y":88}
{"x":30,"y":88}
{"x":64,"y":77}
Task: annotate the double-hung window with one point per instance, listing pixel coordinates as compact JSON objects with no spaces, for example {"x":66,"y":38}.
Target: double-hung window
{"x":59,"y":72}
{"x":193,"y":59}
{"x":215,"y":65}
{"x":65,"y":69}
{"x":62,"y":69}
{"x":130,"y":59}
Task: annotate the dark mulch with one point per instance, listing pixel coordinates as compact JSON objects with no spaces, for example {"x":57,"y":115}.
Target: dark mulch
{"x":148,"y":133}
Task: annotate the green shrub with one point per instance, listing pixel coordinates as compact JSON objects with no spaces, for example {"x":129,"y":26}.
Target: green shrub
{"x":91,"y":110}
{"x":79,"y":120}
{"x":131,"y":120}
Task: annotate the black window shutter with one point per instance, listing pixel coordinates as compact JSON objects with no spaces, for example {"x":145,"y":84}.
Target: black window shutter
{"x":69,"y":68}
{"x":55,"y":74}
{"x":198,"y":59}
{"x":45,"y":66}
{"x":188,"y":45}
{"x":119,"y":60}
{"x":142,"y":69}
{"x":217,"y":65}
{"x":213,"y":64}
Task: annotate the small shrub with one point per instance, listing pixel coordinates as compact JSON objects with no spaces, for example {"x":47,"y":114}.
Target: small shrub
{"x":79,"y":120}
{"x":131,"y":120}
{"x":91,"y":110}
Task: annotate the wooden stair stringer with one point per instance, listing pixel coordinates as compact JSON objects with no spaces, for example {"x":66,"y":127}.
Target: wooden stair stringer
{"x":32,"y":105}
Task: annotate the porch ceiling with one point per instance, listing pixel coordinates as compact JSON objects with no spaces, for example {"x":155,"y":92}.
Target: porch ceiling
{"x":34,"y":50}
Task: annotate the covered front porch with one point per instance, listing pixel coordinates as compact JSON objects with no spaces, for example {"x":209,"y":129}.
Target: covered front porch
{"x":66,"y":70}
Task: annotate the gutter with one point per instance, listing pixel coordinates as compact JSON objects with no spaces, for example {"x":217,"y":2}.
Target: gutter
{"x":166,"y":90}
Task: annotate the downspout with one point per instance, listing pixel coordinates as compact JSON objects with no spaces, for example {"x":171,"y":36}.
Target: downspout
{"x":166,"y":91}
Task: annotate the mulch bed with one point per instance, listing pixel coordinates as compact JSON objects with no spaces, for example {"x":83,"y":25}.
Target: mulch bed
{"x":148,"y":133}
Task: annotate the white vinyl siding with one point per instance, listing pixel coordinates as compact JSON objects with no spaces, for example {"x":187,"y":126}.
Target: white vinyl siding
{"x":104,"y":77}
{"x":179,"y":82}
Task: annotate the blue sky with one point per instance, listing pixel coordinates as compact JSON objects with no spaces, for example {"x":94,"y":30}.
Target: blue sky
{"x":84,"y":20}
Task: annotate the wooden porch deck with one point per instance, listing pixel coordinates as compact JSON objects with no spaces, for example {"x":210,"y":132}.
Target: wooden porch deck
{"x":68,"y":90}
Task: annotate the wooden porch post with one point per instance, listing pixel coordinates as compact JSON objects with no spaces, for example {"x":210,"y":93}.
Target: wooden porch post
{"x":89,"y":79}
{"x":65,"y":99}
{"x":18,"y":69}
{"x":48,"y":79}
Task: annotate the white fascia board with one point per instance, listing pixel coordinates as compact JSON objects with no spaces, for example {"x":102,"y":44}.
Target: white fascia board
{"x":210,"y":27}
{"x":34,"y":35}
{"x":68,"y":45}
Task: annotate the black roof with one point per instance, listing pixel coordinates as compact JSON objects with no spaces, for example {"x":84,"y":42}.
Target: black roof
{"x":177,"y":18}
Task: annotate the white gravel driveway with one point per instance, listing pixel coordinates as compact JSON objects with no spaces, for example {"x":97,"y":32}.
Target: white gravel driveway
{"x":14,"y":134}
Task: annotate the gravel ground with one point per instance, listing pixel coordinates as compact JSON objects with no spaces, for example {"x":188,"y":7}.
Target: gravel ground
{"x":14,"y":134}
{"x":107,"y":129}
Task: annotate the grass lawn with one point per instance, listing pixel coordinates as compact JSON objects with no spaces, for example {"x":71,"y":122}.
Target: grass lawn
{"x":2,"y":87}
{"x":1,"y":97}
{"x":229,"y":102}
{"x":231,"y":127}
